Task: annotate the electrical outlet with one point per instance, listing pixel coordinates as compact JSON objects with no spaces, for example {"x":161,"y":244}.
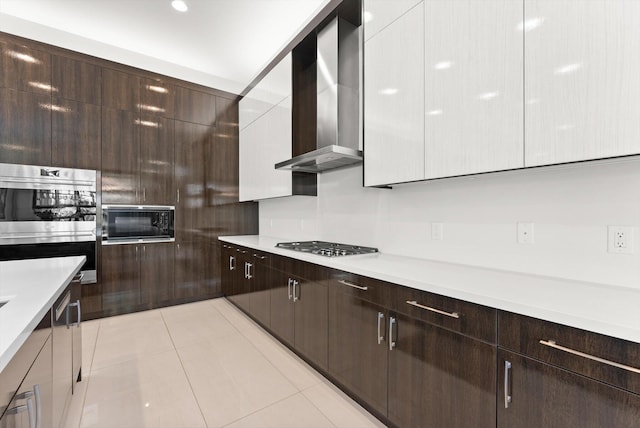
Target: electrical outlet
{"x":620,"y":239}
{"x":437,"y":232}
{"x":526,"y":233}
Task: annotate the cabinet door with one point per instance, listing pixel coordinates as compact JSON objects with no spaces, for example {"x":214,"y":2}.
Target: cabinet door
{"x":545,"y":396}
{"x":76,"y":140}
{"x":120,"y":90}
{"x":282,"y":315}
{"x":264,"y":143}
{"x":76,"y":80}
{"x":473,"y":87}
{"x":157,"y":97}
{"x":120,"y":278}
{"x":357,"y":359}
{"x":380,"y":13}
{"x":581,"y":80}
{"x":156,"y":274}
{"x":25,"y":127}
{"x":260,"y":285}
{"x":190,"y":142}
{"x":120,"y":137}
{"x":156,"y":161}
{"x":195,"y":106}
{"x":222,"y":181}
{"x":228,"y":266}
{"x":242,"y":281}
{"x":191,"y":259}
{"x":440,"y":378}
{"x":311,"y":317}
{"x":394,"y":102}
{"x":25,"y":68}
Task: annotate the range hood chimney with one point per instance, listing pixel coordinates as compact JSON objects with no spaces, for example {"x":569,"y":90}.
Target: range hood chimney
{"x":338,"y":130}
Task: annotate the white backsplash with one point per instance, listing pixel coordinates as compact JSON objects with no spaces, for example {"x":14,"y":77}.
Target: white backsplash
{"x":570,"y":206}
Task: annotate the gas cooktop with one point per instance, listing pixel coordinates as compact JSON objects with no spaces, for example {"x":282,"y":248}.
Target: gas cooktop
{"x":328,"y":249}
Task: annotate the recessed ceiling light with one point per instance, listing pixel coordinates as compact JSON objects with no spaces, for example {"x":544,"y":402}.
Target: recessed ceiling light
{"x":179,"y":5}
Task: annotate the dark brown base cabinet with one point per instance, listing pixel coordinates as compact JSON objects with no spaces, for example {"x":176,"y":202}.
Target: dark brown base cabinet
{"x":417,"y":359}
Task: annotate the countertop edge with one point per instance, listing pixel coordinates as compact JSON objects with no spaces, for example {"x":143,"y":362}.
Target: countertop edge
{"x":539,"y":310}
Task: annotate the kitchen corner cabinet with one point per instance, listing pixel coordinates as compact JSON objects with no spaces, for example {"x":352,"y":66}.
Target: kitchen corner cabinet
{"x":581,"y":87}
{"x":394,"y":102}
{"x":195,"y":106}
{"x":543,"y":382}
{"x":136,"y":277}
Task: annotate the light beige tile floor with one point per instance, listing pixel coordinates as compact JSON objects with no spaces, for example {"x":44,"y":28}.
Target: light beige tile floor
{"x":203,"y":364}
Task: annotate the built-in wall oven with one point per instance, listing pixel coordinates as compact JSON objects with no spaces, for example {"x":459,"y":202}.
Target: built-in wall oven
{"x":48,"y":212}
{"x":130,"y":224}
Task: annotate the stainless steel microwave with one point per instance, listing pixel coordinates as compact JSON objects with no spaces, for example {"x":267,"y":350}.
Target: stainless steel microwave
{"x":130,"y":224}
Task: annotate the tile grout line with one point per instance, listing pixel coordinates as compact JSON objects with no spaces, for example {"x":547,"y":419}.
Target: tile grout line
{"x":186,"y":375}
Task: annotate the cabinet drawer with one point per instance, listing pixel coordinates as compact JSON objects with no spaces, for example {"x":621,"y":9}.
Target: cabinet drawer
{"x":457,"y":315}
{"x":371,"y":290}
{"x":608,"y":359}
{"x":299,"y":269}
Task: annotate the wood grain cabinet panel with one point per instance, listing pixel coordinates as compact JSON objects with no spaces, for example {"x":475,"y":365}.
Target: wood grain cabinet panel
{"x":222,"y":175}
{"x":228,"y":265}
{"x":191,"y":282}
{"x":545,"y":396}
{"x":260,"y":287}
{"x":282,"y":310}
{"x":156,"y":167}
{"x":156,"y":274}
{"x":76,"y":140}
{"x":440,"y":378}
{"x":474,"y":106}
{"x":120,"y":90}
{"x":25,"y":68}
{"x":120,"y":140}
{"x":581,"y":85}
{"x":76,"y":80}
{"x":311,"y":315}
{"x":25,"y":127}
{"x":120,"y":279}
{"x":157,"y":97}
{"x":195,"y":106}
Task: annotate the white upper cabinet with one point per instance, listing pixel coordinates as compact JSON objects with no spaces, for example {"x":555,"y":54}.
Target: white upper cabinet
{"x":263,"y":143}
{"x":380,"y":13}
{"x":394,"y":101}
{"x":582,"y":80}
{"x":473,"y":87}
{"x":271,"y":90}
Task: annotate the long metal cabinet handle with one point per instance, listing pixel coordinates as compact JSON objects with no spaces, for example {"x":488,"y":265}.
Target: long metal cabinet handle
{"x":380,"y":336}
{"x":295,"y":296}
{"x":249,"y":266}
{"x":77,"y":306}
{"x":144,"y":193}
{"x":359,"y":287}
{"x":507,"y":395}
{"x":289,"y":288}
{"x":232,"y":263}
{"x":553,"y":344}
{"x":428,"y":308}
{"x":36,"y":391}
{"x":32,"y":413}
{"x":392,"y":343}
{"x":178,"y":190}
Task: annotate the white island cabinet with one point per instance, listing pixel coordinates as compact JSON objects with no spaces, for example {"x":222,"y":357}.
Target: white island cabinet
{"x":582,"y":87}
{"x":265,"y":135}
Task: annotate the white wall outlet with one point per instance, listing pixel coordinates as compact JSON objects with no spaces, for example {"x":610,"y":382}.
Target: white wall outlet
{"x":620,"y":239}
{"x":437,"y":231}
{"x":526,"y":233}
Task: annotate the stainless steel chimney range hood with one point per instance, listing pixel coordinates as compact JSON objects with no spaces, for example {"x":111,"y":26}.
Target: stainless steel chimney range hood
{"x":338,"y":129}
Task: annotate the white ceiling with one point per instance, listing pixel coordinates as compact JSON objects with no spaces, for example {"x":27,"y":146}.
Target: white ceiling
{"x":218,"y":43}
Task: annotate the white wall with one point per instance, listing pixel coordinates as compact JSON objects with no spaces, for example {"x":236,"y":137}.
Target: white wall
{"x":570,"y":205}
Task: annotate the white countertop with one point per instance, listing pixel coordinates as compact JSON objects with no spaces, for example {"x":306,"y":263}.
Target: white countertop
{"x":601,"y":308}
{"x":31,"y":287}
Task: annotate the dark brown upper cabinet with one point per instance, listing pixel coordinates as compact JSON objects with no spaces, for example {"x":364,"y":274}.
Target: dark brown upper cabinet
{"x":156,"y":161}
{"x":120,"y":138}
{"x":157,"y":98}
{"x":24,"y":68}
{"x":76,"y":80}
{"x":25,"y":127}
{"x":120,"y":90}
{"x":75,"y":139}
{"x":195,"y":106}
{"x":222,"y":178}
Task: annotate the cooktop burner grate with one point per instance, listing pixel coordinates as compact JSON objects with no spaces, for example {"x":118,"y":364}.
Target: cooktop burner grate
{"x":327,"y":249}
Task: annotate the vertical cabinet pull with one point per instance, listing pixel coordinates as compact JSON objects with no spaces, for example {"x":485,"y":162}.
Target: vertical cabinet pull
{"x":78,"y":310}
{"x":248,"y":267}
{"x":289,"y":289}
{"x":178,"y":191}
{"x":392,"y":343}
{"x":232,"y":263}
{"x":36,"y":391}
{"x":32,"y":413}
{"x":295,"y":296}
{"x":507,"y":384}
{"x":380,"y":319}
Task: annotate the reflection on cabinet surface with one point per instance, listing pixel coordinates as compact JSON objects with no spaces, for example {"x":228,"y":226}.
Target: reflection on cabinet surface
{"x":120,"y":138}
{"x":581,"y":88}
{"x":76,"y":140}
{"x":24,"y":68}
{"x":120,"y":279}
{"x":156,"y":167}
